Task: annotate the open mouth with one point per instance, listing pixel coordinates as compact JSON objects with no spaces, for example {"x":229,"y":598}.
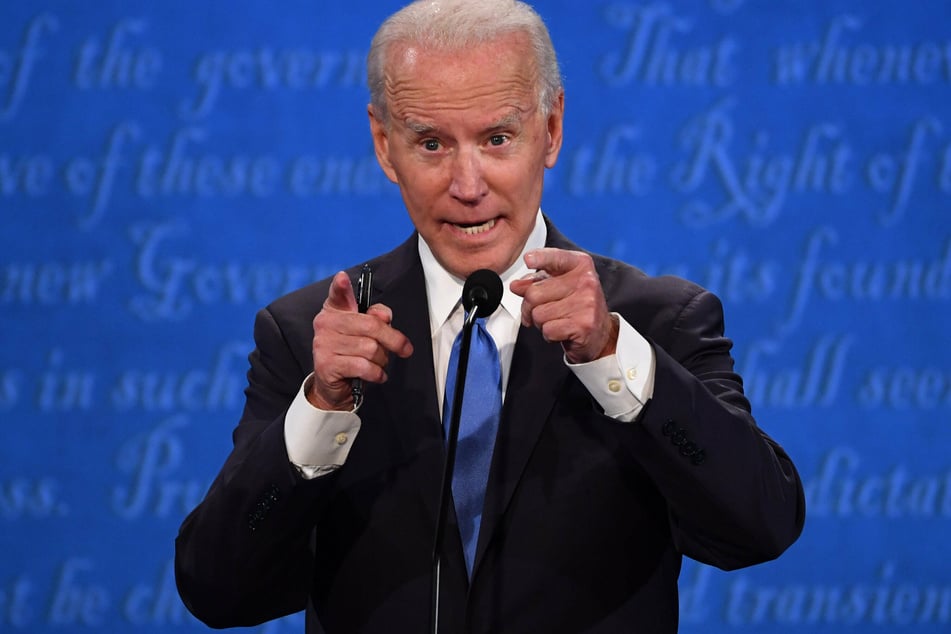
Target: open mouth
{"x":476,"y":229}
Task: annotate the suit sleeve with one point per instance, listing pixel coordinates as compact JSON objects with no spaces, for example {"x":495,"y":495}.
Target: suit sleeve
{"x":243,"y":556}
{"x":734,"y":496}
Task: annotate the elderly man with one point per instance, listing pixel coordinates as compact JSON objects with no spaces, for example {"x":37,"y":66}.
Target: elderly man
{"x":623,"y":441}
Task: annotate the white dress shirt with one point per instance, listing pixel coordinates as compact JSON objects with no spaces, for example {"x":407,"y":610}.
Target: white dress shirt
{"x":319,"y":441}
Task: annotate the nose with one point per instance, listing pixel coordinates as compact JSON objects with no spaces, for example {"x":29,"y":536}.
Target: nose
{"x":467,"y":183}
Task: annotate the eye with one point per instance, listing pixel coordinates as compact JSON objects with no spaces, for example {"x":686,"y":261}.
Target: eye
{"x":431,"y":145}
{"x":498,"y":139}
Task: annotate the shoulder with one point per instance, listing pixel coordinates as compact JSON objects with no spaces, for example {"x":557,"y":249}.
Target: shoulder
{"x":624,"y":283}
{"x":666,"y":309}
{"x":649,"y":303}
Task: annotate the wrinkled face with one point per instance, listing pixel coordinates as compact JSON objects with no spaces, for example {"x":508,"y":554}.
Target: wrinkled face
{"x":468,"y":146}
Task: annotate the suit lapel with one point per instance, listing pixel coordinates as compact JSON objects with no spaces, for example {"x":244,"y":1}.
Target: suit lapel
{"x":409,"y":393}
{"x":536,"y":377}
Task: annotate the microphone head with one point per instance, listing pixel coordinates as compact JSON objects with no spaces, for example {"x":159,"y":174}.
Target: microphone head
{"x":483,"y":289}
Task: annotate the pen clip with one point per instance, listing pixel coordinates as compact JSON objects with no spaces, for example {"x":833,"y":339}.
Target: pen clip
{"x":363,"y":288}
{"x":364,"y":283}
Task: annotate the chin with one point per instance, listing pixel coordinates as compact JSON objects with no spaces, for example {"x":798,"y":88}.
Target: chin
{"x":473,"y":265}
{"x":467,"y":266}
{"x":462,"y":263}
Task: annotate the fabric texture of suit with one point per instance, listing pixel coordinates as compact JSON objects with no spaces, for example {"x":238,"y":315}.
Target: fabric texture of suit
{"x":586,"y":518}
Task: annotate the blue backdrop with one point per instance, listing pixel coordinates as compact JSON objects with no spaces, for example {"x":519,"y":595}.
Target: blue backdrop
{"x":168,"y":168}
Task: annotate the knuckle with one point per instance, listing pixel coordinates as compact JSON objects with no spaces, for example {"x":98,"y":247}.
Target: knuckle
{"x":546,"y":332}
{"x":381,"y":312}
{"x":590,"y":277}
{"x":538,"y":315}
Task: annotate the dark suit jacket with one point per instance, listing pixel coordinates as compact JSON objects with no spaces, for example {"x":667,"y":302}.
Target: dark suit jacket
{"x":585,"y":520}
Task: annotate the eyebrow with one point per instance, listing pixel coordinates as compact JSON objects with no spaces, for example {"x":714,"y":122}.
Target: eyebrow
{"x":419,"y":127}
{"x":509,"y":120}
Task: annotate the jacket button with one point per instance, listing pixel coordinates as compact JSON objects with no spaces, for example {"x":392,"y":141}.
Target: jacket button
{"x":698,"y":458}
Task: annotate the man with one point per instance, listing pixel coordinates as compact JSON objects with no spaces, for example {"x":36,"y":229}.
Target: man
{"x":624,"y":442}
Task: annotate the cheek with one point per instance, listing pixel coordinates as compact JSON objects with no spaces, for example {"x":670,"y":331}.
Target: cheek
{"x":420,"y":195}
{"x":521,"y":181}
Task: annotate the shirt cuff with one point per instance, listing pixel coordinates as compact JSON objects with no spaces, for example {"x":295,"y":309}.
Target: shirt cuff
{"x":623,"y":382}
{"x":318,"y":442}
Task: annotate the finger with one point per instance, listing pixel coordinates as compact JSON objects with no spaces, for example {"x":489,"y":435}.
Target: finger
{"x":522,"y":284}
{"x":381,"y":312}
{"x":332,"y":382}
{"x":370,"y":369}
{"x":519,"y":286}
{"x":339,"y":358}
{"x":394,"y":341}
{"x":542,"y":300}
{"x":553,"y":261}
{"x":534,"y":276}
{"x":527,"y":308}
{"x":340,"y":296}
{"x":527,"y":287}
{"x":376,"y":326}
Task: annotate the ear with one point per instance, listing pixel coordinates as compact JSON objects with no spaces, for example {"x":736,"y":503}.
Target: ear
{"x":556,"y":120}
{"x":381,"y":144}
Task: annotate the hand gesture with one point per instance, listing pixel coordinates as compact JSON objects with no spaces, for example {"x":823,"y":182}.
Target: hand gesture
{"x":349,"y":345}
{"x":565,"y":301}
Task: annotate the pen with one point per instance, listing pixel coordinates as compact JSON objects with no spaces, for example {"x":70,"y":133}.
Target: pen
{"x":363,"y":303}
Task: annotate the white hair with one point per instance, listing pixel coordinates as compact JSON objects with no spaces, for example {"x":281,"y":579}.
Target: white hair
{"x":453,"y":25}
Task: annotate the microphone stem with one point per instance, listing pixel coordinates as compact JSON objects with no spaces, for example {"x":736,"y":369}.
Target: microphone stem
{"x":452,"y":437}
{"x":471,"y":317}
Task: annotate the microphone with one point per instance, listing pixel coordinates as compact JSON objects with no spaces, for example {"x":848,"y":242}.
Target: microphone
{"x":483,"y":289}
{"x":481,"y":295}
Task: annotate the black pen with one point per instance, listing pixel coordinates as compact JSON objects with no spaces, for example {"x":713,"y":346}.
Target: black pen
{"x":363,"y":303}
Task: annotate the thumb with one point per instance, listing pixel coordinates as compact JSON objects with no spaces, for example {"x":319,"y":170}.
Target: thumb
{"x":340,"y":296}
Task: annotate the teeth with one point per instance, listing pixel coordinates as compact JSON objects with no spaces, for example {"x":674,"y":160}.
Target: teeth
{"x":476,"y":229}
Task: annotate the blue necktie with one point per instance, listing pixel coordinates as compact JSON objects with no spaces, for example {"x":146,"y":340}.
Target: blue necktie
{"x":478,"y":423}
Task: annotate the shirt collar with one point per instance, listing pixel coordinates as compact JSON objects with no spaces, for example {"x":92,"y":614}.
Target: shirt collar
{"x":444,"y":290}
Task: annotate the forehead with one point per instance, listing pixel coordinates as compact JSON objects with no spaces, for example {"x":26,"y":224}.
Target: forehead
{"x":488,"y":78}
